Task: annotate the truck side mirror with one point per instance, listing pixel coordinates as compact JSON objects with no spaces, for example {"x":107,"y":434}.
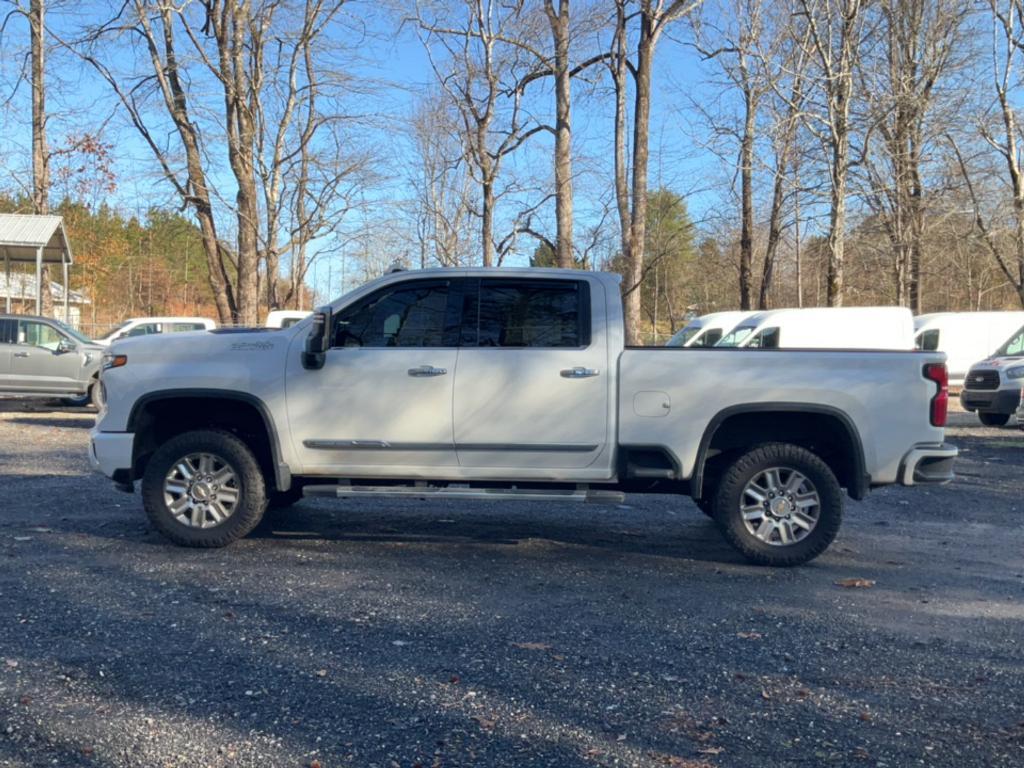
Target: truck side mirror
{"x":64,"y":346}
{"x":318,"y":341}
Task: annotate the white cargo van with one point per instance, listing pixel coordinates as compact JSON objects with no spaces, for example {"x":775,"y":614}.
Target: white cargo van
{"x":707,"y":330}
{"x":825,"y":328}
{"x":285,"y":318}
{"x":965,"y":337}
{"x":992,"y":387}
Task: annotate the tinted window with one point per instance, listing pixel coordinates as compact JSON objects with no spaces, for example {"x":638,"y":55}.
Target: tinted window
{"x":766,"y":339}
{"x":928,"y":340}
{"x":1013,"y":346}
{"x":683,"y":336}
{"x":409,"y":315}
{"x":8,"y":331}
{"x":175,"y":327}
{"x":736,"y":336}
{"x":531,"y":313}
{"x":709,"y":339}
{"x":144,"y":330}
{"x":36,"y":334}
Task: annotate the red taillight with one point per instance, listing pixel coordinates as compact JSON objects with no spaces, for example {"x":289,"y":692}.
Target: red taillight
{"x":940,"y":403}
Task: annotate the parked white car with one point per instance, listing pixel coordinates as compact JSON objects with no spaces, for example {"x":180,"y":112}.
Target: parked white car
{"x":285,"y":318}
{"x":510,"y":384}
{"x":965,"y":337}
{"x":707,"y":330}
{"x":825,"y":328}
{"x":148,"y":326}
{"x":992,"y":387}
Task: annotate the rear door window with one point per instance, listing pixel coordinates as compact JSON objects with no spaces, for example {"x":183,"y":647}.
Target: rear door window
{"x":144,"y":329}
{"x":8,"y":331}
{"x":528,"y":313}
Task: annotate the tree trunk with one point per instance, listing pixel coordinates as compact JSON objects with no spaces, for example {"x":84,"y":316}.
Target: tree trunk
{"x":747,"y":199}
{"x":641,"y":154}
{"x":563,"y":134}
{"x":487,"y":222}
{"x":40,"y":151}
{"x":620,"y":74}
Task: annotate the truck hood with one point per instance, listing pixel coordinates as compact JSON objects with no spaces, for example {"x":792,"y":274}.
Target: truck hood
{"x":198,"y":345}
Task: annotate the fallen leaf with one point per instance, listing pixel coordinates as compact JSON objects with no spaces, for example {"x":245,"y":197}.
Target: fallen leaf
{"x":856,"y":583}
{"x":12,"y":663}
{"x":711,"y":750}
{"x":865,"y":717}
{"x":749,"y":635}
{"x":532,"y":646}
{"x":487,"y":723}
{"x":314,"y":764}
{"x":765,"y":695}
{"x":454,"y":679}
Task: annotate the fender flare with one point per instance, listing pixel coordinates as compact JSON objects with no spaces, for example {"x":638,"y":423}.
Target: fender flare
{"x":282,"y":472}
{"x":861,"y":480}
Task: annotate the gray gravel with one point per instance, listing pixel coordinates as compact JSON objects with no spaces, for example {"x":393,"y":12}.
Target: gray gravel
{"x":438,"y":634}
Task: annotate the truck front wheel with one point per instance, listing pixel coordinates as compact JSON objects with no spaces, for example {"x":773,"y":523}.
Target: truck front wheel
{"x":779,"y":504}
{"x":990,"y":419}
{"x":204,"y":489}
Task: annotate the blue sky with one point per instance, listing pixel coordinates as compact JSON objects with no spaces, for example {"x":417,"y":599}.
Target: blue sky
{"x":398,"y":62}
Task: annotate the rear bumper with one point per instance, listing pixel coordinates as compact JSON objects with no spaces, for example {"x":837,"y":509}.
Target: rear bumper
{"x":928,"y":464}
{"x":994,"y":401}
{"x":111,"y":453}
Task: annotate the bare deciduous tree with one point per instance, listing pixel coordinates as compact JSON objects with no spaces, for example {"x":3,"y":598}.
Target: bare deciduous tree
{"x":834,"y":30}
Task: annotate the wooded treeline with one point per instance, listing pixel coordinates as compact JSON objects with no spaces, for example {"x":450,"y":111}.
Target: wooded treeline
{"x":854,"y":151}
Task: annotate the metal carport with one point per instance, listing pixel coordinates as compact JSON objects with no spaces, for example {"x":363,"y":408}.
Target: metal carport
{"x":30,"y":239}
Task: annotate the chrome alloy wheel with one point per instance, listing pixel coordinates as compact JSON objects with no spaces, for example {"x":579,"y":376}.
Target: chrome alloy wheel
{"x":780,"y":506}
{"x":201,"y":490}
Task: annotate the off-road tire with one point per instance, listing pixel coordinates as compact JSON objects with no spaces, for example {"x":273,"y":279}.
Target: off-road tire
{"x":90,"y":398}
{"x":990,"y":419}
{"x":729,"y":518}
{"x":252,"y":488}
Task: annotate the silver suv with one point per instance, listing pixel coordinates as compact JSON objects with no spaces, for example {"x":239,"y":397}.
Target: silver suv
{"x":43,"y":357}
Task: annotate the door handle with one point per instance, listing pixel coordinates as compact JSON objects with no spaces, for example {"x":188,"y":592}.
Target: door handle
{"x":579,"y":373}
{"x":427,"y":370}
{"x":21,"y":354}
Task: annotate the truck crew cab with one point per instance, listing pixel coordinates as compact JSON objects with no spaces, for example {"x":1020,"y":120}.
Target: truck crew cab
{"x":511,"y":383}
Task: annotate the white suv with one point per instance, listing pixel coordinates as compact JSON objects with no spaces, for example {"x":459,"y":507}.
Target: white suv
{"x":146,"y":326}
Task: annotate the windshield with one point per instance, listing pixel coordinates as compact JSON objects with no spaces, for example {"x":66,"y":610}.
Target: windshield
{"x":1013,"y":346}
{"x":113,"y":329}
{"x":683,"y":336}
{"x":736,"y":336}
{"x":73,"y":333}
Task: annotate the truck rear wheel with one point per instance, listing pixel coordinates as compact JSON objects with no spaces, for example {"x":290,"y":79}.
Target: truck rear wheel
{"x":204,"y":489}
{"x":779,"y":504}
{"x":990,"y":419}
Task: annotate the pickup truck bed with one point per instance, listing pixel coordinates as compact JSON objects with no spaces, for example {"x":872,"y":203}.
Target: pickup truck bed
{"x":503,"y":382}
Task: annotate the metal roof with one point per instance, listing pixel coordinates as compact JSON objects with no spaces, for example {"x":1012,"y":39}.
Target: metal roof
{"x":22,"y":234}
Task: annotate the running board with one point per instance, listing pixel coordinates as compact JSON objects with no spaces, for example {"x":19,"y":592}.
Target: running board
{"x":584,"y":495}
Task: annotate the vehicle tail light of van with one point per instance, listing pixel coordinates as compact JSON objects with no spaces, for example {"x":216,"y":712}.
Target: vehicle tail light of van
{"x":940,"y":402}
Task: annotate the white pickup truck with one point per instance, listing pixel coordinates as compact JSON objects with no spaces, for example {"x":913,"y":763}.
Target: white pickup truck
{"x":510,"y":383}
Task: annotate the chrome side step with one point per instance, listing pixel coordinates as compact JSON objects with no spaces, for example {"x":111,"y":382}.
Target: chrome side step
{"x":461,"y":491}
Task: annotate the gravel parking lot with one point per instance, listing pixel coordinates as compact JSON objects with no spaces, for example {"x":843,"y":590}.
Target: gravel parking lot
{"x":438,"y":634}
